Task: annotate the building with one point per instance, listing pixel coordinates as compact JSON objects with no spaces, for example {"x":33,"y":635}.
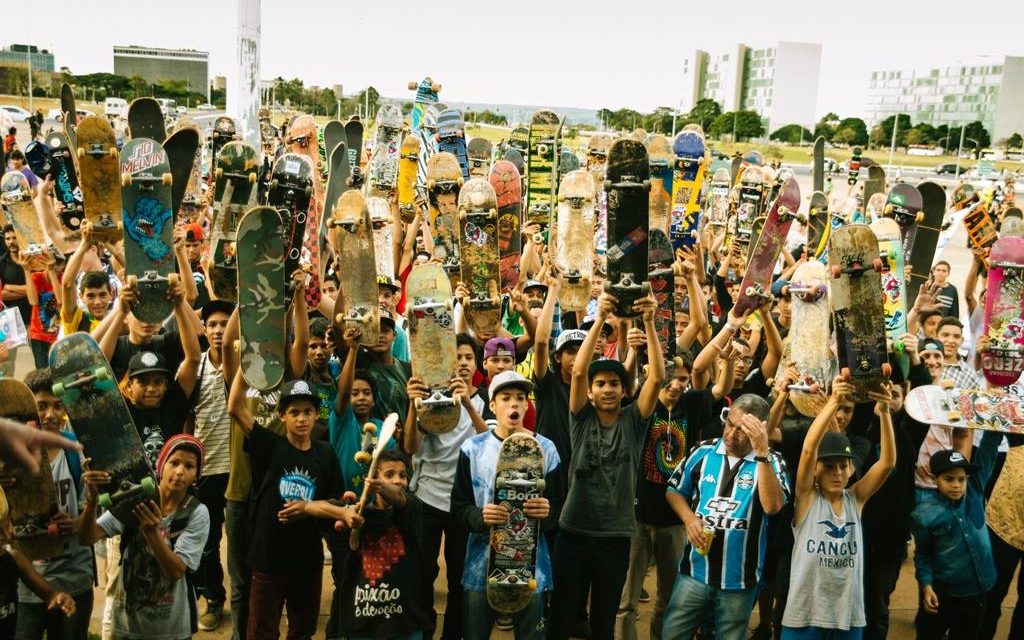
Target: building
{"x":153,"y":65}
{"x":779,"y":81}
{"x":992,"y":93}
{"x":19,"y":55}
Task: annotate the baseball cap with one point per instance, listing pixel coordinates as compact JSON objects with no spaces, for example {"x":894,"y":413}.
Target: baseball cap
{"x":296,"y":390}
{"x":607,"y":364}
{"x":569,"y":338}
{"x":147,"y":362}
{"x":589,"y":322}
{"x":499,"y":347}
{"x":509,"y":379}
{"x":834,"y":445}
{"x":214,"y":306}
{"x":386,"y":319}
{"x":193,"y":232}
{"x":181,"y":441}
{"x":387,"y":281}
{"x":534,"y":284}
{"x":930,"y":344}
{"x":943,"y":461}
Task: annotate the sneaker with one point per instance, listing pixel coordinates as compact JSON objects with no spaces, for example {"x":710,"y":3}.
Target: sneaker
{"x":504,"y":623}
{"x":644,"y":596}
{"x":210,"y":620}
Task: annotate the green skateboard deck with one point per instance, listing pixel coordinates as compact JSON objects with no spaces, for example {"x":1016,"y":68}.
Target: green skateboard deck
{"x":261,"y":295}
{"x":234,"y":193}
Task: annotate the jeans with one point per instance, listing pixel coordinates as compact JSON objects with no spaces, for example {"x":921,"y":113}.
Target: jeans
{"x":478,"y":617}
{"x":41,"y":353}
{"x":665,"y":545}
{"x":34,"y":620}
{"x":435,"y":523}
{"x":237,"y":531}
{"x":1007,"y":558}
{"x":299,"y":593}
{"x":694,"y":602}
{"x":884,"y":558}
{"x":209,"y":578}
{"x":580,"y":560}
{"x":961,"y":617}
{"x":817,"y":633}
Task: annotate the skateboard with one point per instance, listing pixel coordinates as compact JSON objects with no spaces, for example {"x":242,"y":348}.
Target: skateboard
{"x":749,"y":205}
{"x":334,"y":134}
{"x":1003,"y":358}
{"x":478,"y":251}
{"x":717,"y":213}
{"x":992,"y":410}
{"x":627,"y":185}
{"x":223,"y":132}
{"x":981,"y":231}
{"x":193,"y":198}
{"x":541,"y":173}
{"x":70,"y":111}
{"x":597,"y":154}
{"x":426,"y":93}
{"x":37,"y":157}
{"x":875,"y":182}
{"x":659,"y":200}
{"x":818,"y":165}
{"x":857,"y":311}
{"x":148,"y":224}
{"x":687,"y":181}
{"x":384,"y":162}
{"x":381,"y":222}
{"x":451,"y":137}
{"x":519,"y":139}
{"x":291,"y":186}
{"x":339,"y":174}
{"x":32,"y":498}
{"x":819,"y":225}
{"x":181,"y":147}
{"x":512,"y":559}
{"x":903,"y":204}
{"x":444,"y":179}
{"x":894,"y":288}
{"x":508,"y":189}
{"x":1011,"y":225}
{"x":964,"y":195}
{"x":354,"y":143}
{"x":352,"y":238}
{"x":65,"y":181}
{"x":874,"y":208}
{"x":926,"y":236}
{"x":408,"y":166}
{"x":809,"y":337}
{"x":85,"y":383}
{"x":432,"y":343}
{"x":302,"y":141}
{"x":99,"y":173}
{"x":853,"y":169}
{"x":146,"y":119}
{"x":267,"y":131}
{"x":22,"y":214}
{"x":234,"y":193}
{"x":479,"y":153}
{"x":567,"y":162}
{"x":574,"y":245}
{"x":371,"y":457}
{"x":262,"y":295}
{"x":662,"y":276}
{"x":756,"y":286}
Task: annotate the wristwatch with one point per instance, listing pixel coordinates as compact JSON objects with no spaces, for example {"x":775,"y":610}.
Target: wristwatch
{"x":768,"y":458}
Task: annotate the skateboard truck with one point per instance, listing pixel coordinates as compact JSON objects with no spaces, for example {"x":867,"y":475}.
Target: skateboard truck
{"x":437,"y":399}
{"x":129,"y":491}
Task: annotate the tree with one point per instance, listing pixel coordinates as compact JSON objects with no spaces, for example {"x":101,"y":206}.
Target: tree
{"x":1015,"y":141}
{"x":660,"y":121}
{"x":881,"y":134}
{"x":827,"y":126}
{"x":975,"y":137}
{"x":791,"y":134}
{"x":704,"y":112}
{"x":744,"y":124}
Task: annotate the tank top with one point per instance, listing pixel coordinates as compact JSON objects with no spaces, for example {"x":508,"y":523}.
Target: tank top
{"x":826,"y":587}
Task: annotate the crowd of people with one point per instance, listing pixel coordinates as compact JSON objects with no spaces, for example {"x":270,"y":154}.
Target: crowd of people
{"x":697,"y":469}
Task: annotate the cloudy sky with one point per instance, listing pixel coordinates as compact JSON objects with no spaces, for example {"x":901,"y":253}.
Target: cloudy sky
{"x":594,"y":53}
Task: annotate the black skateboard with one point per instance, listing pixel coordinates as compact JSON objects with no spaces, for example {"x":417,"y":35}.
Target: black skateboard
{"x":627,"y":184}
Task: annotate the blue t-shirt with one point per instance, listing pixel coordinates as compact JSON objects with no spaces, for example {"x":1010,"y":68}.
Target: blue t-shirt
{"x":346,"y":439}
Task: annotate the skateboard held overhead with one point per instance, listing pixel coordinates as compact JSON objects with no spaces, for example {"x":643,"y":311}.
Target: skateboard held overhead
{"x":627,"y":185}
{"x":432,"y":342}
{"x":261,"y":298}
{"x":478,"y":251}
{"x":574,"y":247}
{"x":1002,"y":359}
{"x":351,"y":235}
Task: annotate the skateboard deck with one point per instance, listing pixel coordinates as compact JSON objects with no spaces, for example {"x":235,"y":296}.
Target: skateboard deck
{"x":687,"y":181}
{"x":809,"y":337}
{"x":339,"y":175}
{"x":85,"y":383}
{"x":146,"y":119}
{"x":818,"y":225}
{"x":387,"y":431}
{"x":148,"y":224}
{"x":181,"y":147}
{"x":380,"y":220}
{"x":875,"y":182}
{"x":387,"y":139}
{"x":479,"y":153}
{"x":519,"y":139}
{"x":756,"y":286}
{"x":234,"y":193}
{"x":567,"y":162}
{"x":894,"y":298}
{"x":432,"y":343}
{"x":661,"y":159}
{"x":1011,"y":225}
{"x":478,"y":251}
{"x":424,"y":124}
{"x":70,"y":111}
{"x":444,"y":179}
{"x":22,"y":214}
{"x":966,"y":408}
{"x":749,"y":205}
{"x":408,"y":166}
{"x":262,"y":294}
{"x":1002,"y":361}
{"x":981,"y":231}
{"x":352,"y":238}
{"x":512,"y":559}
{"x":99,"y":173}
{"x":662,"y":276}
{"x":32,"y":498}
{"x":574,"y":246}
{"x":853,"y":169}
{"x":354,"y":144}
{"x":302,"y":141}
{"x":334,"y":134}
{"x":903,"y":204}
{"x":926,"y":236}
{"x":65,"y":181}
{"x":541,"y":174}
{"x":857,"y":311}
{"x":508,"y":189}
{"x":291,"y":186}
{"x":223,"y":132}
{"x":451,"y":138}
{"x":818,"y":165}
{"x":627,"y":185}
{"x":192,"y":199}
{"x":717,"y":213}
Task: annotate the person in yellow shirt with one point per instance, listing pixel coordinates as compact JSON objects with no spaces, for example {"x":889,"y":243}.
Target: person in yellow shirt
{"x":93,"y":289}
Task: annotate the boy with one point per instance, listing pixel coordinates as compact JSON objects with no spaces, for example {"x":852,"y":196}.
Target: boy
{"x":319,"y":373}
{"x":93,"y":290}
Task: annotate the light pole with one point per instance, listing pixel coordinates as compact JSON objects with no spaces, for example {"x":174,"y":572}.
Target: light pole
{"x":892,"y":146}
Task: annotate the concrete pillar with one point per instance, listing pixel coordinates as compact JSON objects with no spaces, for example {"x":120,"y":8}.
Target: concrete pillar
{"x":244,"y":90}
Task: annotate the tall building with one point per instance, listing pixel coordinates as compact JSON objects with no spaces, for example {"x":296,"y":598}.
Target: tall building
{"x":19,"y":55}
{"x":992,"y":93}
{"x":153,"y":65}
{"x":779,"y":81}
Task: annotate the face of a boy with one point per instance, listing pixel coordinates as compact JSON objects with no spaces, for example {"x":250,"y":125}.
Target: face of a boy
{"x":362,"y":397}
{"x":51,"y":411}
{"x":97,"y":301}
{"x":180,"y":470}
{"x":606,"y":391}
{"x":148,"y":390}
{"x":298,"y":417}
{"x":952,"y":484}
{"x":393,"y":472}
{"x":509,"y":407}
{"x":465,"y":362}
{"x":496,"y":364}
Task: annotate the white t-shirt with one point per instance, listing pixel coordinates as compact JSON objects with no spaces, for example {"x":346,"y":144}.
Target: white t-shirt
{"x":437,"y":459}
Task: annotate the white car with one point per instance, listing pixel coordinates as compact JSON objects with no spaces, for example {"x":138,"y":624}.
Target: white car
{"x":58,"y":115}
{"x":17,"y":113}
{"x":206,"y":106}
{"x":181,"y":111}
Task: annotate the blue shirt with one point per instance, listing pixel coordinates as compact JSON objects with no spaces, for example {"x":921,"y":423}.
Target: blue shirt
{"x":346,"y":439}
{"x":727,"y":501}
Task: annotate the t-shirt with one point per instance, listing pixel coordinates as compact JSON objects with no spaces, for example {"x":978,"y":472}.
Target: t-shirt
{"x":346,"y":434}
{"x":262,"y":406}
{"x":948,"y":299}
{"x":212,"y":422}
{"x":8,"y":595}
{"x":80,"y":321}
{"x":552,"y":401}
{"x":391,"y":381}
{"x":602,"y":473}
{"x":380,"y":590}
{"x":435,"y":461}
{"x":158,"y":424}
{"x":325,"y":386}
{"x":147,"y":604}
{"x":167,"y":344}
{"x":12,"y":273}
{"x":283,"y":473}
{"x":45,"y":320}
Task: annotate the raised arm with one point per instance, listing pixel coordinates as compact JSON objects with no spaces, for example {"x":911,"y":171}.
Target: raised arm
{"x":803,"y":486}
{"x":188,"y":282}
{"x":648,"y":398}
{"x":578,"y":385}
{"x":348,"y":370}
{"x":875,"y":477}
{"x":299,"y":352}
{"x":188,"y":370}
{"x":542,"y":344}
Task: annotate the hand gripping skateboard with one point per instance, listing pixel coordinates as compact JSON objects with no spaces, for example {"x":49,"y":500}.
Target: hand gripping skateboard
{"x":432,"y":342}
{"x":21,"y":213}
{"x":627,"y":184}
{"x":809,"y":337}
{"x":1003,"y":357}
{"x":234,"y":192}
{"x":262,"y":295}
{"x":371,"y":457}
{"x":508,"y":188}
{"x":574,"y":246}
{"x":942,"y":404}
{"x":756,"y":286}
{"x":352,"y":238}
{"x":478,"y":250}
{"x":99,"y":173}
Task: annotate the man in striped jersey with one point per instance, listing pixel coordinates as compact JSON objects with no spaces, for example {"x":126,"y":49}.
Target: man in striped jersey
{"x":723,"y":493}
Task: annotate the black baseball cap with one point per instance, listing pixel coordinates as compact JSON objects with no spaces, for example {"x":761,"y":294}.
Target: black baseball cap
{"x":607,"y":364}
{"x":147,"y":362}
{"x":296,"y":390}
{"x":834,"y":445}
{"x":214,"y":306}
{"x":943,"y":461}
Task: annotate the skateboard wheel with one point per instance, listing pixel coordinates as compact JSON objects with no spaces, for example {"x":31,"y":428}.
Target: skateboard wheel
{"x":105,"y":501}
{"x":532,"y":584}
{"x":101,"y":374}
{"x":53,"y":529}
{"x":919,"y":217}
{"x":308,"y":191}
{"x":363,"y":457}
{"x":770,"y":382}
{"x":148,"y":486}
{"x":501,"y":482}
{"x":836,"y":271}
{"x":238,"y":346}
{"x":218,"y":173}
{"x":412,"y":86}
{"x":459,"y":181}
{"x":947,"y":384}
{"x":448,"y":305}
{"x":369,"y":427}
{"x":897,"y":346}
{"x":113,"y":152}
{"x":172,"y":279}
{"x":645,"y":288}
{"x":133,"y":281}
{"x":166,"y":179}
{"x":815,"y":388}
{"x":81,"y":152}
{"x":607,"y":185}
{"x":58,"y":389}
{"x":462,"y":215}
{"x":954,"y":416}
{"x":349,"y":497}
{"x":492,"y":582}
{"x":418,"y":404}
{"x":339,"y":318}
{"x":886,"y":369}
{"x":251,"y":177}
{"x":126,"y":179}
{"x":435,"y":87}
{"x":539,"y":484}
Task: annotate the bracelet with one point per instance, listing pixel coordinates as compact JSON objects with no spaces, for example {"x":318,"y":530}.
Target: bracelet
{"x":730,"y":327}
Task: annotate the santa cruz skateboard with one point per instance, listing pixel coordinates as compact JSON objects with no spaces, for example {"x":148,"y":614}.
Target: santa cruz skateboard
{"x":926,"y":236}
{"x":432,"y":342}
{"x":508,"y":188}
{"x":1003,"y":358}
{"x":479,"y":153}
{"x":574,"y":245}
{"x":542,"y":163}
{"x":148,"y":224}
{"x":384,"y":161}
{"x":146,"y":119}
{"x":21,"y":213}
{"x":451,"y":137}
{"x":32,"y":498}
{"x":291,"y":185}
{"x":661,"y":159}
{"x":512,"y":561}
{"x":234,"y":193}
{"x":84,"y":382}
{"x":992,"y":410}
{"x":99,"y":174}
{"x":181,"y":147}
{"x":894,"y":298}
{"x":857,"y":311}
{"x":687,"y":181}
{"x":351,"y":236}
{"x":383,"y":437}
{"x":755,"y":288}
{"x":262,"y":294}
{"x":627,"y":184}
{"x":478,"y":246}
{"x":408,"y":166}
{"x":444,"y":179}
{"x":809,"y":337}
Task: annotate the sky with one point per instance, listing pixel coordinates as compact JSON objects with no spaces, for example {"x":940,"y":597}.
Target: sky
{"x":579,"y":53}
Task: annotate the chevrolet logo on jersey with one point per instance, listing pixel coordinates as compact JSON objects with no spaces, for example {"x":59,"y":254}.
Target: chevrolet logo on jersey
{"x":722,"y":505}
{"x":724,"y":514}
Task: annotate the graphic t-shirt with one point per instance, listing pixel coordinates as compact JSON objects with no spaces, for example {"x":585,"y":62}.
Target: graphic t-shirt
{"x":155,"y":426}
{"x":46,"y":315}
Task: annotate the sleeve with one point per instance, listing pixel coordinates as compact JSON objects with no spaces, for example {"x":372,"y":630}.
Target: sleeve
{"x":985,"y":458}
{"x":681,"y":480}
{"x":722,"y":296}
{"x":781,"y":472}
{"x":111,"y":526}
{"x":338,"y":426}
{"x":259,"y":444}
{"x":922,"y":551}
{"x":190,"y":543}
{"x":464,"y":504}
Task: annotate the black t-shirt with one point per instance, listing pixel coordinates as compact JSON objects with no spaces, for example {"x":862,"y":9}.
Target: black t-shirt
{"x":551,"y":396}
{"x":295,"y":474}
{"x":12,"y":273}
{"x":8,"y":596}
{"x":380,"y":593}
{"x":156,"y":425}
{"x":166,"y":344}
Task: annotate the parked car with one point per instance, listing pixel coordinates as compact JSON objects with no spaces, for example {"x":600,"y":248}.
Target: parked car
{"x":206,"y":106}
{"x":181,"y":111}
{"x":948,"y":167}
{"x":58,"y":115}
{"x":17,"y":113}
